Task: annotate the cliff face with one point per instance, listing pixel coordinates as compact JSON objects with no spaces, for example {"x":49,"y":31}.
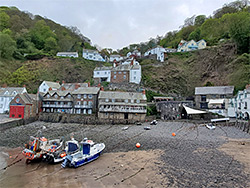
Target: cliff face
{"x":182,"y":72}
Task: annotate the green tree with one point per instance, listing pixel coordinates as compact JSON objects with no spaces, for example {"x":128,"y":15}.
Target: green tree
{"x":199,"y":20}
{"x":50,"y":45}
{"x":240,"y":31}
{"x":7,"y":46}
{"x":195,"y":35}
{"x":4,"y":20}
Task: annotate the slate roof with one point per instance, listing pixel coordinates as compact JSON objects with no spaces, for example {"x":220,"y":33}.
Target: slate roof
{"x":121,"y":95}
{"x":53,"y":85}
{"x":27,"y":98}
{"x":71,"y":86}
{"x":11,"y":91}
{"x":67,"y":53}
{"x":86,"y":90}
{"x":221,"y":90}
{"x":102,"y":68}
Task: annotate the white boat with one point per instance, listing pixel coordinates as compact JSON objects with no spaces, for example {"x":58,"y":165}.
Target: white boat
{"x":87,"y":153}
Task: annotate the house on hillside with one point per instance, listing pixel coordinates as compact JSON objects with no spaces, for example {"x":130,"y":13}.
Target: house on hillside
{"x":23,"y":106}
{"x":67,"y":54}
{"x":102,"y":74}
{"x":45,"y":86}
{"x":122,"y":106}
{"x":215,"y":98}
{"x":72,"y":86}
{"x":92,"y":55}
{"x":113,"y":58}
{"x":128,"y":71}
{"x":7,"y":94}
{"x":159,"y":52}
{"x":239,"y":106}
{"x":185,"y":46}
{"x":135,"y":53}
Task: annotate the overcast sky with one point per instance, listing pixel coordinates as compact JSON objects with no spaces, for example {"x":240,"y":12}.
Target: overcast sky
{"x":118,"y":23}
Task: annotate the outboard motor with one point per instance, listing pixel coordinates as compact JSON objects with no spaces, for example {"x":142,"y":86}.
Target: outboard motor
{"x":85,"y":146}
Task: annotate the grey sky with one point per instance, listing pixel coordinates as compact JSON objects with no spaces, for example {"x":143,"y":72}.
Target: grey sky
{"x":118,"y":23}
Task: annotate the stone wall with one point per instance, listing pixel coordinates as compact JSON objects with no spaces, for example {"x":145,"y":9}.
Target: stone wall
{"x":79,"y":118}
{"x":16,"y":122}
{"x":243,"y":125}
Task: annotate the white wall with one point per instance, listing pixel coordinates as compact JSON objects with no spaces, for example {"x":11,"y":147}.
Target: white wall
{"x":95,"y":56}
{"x":135,"y":76}
{"x":43,"y":88}
{"x":102,"y":74}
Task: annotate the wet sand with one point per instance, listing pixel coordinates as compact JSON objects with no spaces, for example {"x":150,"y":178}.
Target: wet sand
{"x":121,"y":169}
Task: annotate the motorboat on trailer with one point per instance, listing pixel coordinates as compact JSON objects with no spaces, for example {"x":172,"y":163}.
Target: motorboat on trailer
{"x":80,"y":155}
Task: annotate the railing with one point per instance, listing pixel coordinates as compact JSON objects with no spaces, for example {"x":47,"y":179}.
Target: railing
{"x":83,"y":106}
{"x":128,"y":110}
{"x":57,"y":105}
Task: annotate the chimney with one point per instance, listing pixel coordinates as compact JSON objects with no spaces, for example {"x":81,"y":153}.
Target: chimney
{"x":77,"y":86}
{"x":50,"y":89}
{"x":4,"y":85}
{"x":99,"y":85}
{"x":102,"y":89}
{"x":144,"y":92}
{"x":88,"y":84}
{"x":114,"y":63}
{"x":63,"y":89}
{"x":63,"y":82}
{"x":132,"y":62}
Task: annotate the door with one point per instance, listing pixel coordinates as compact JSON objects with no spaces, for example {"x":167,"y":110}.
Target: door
{"x":126,"y":116}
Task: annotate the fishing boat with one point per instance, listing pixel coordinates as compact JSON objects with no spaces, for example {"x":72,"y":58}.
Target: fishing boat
{"x":40,"y":148}
{"x":78,"y":156}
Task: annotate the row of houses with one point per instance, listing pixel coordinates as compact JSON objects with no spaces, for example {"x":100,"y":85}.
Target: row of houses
{"x":76,"y":98}
{"x":159,"y":53}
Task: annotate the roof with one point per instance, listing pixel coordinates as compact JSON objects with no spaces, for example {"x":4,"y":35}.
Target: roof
{"x":115,"y":55}
{"x":71,"y":86}
{"x":222,"y":90}
{"x":59,"y":92}
{"x":193,"y":111}
{"x":86,"y":90}
{"x":102,"y":68}
{"x":121,"y":95}
{"x":67,"y":53}
{"x":216,"y":101}
{"x":12,"y":91}
{"x":27,"y":98}
{"x":88,"y":50}
{"x":53,"y":85}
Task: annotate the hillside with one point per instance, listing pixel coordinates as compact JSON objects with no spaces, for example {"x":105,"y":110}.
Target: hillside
{"x":183,"y":72}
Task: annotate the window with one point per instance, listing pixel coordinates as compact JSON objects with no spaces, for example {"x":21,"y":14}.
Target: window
{"x":113,"y":100}
{"x":89,"y":111}
{"x":132,"y":100}
{"x":114,"y":76}
{"x":90,"y":96}
{"x":85,"y":103}
{"x":126,"y":100}
{"x":138,"y":100}
{"x":119,"y":72}
{"x":48,"y":96}
{"x":69,"y":96}
{"x":56,"y":96}
{"x":44,"y":90}
{"x":134,"y":72}
{"x":105,"y":72}
{"x":134,"y":77}
{"x":1,"y":98}
{"x":203,"y":97}
{"x":222,"y":96}
{"x":62,"y":97}
{"x":97,"y":73}
{"x":1,"y":106}
{"x":79,"y":96}
{"x":114,"y":72}
{"x":85,"y":96}
{"x":124,"y":76}
{"x":124,"y":72}
{"x":90,"y":103}
{"x":106,"y":100}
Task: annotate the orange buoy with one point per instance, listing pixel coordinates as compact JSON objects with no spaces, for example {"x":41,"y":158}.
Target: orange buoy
{"x":138,"y":145}
{"x":173,"y":134}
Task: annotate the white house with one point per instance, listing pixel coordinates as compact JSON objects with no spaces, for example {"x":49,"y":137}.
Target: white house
{"x":67,"y":54}
{"x":240,"y":105}
{"x":134,"y":53}
{"x":47,"y":85}
{"x":185,"y":46}
{"x":7,"y":94}
{"x":158,"y":51}
{"x":92,"y":55}
{"x":102,"y":74}
{"x":135,"y":74}
{"x":113,"y":58}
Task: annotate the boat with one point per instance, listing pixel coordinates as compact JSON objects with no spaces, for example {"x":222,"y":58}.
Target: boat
{"x":83,"y":154}
{"x":154,"y":122}
{"x":40,"y":148}
{"x":210,"y":126}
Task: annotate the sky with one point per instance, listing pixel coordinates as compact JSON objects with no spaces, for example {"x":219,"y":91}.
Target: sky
{"x":118,"y":23}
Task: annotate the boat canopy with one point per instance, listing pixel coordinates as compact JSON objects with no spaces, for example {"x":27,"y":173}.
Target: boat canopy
{"x":193,"y":111}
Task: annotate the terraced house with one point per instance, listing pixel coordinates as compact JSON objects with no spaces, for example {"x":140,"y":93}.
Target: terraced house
{"x":7,"y":94}
{"x":122,"y":105}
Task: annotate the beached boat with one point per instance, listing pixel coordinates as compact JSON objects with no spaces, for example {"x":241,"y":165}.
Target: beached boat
{"x":40,"y":147}
{"x":87,"y":152}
